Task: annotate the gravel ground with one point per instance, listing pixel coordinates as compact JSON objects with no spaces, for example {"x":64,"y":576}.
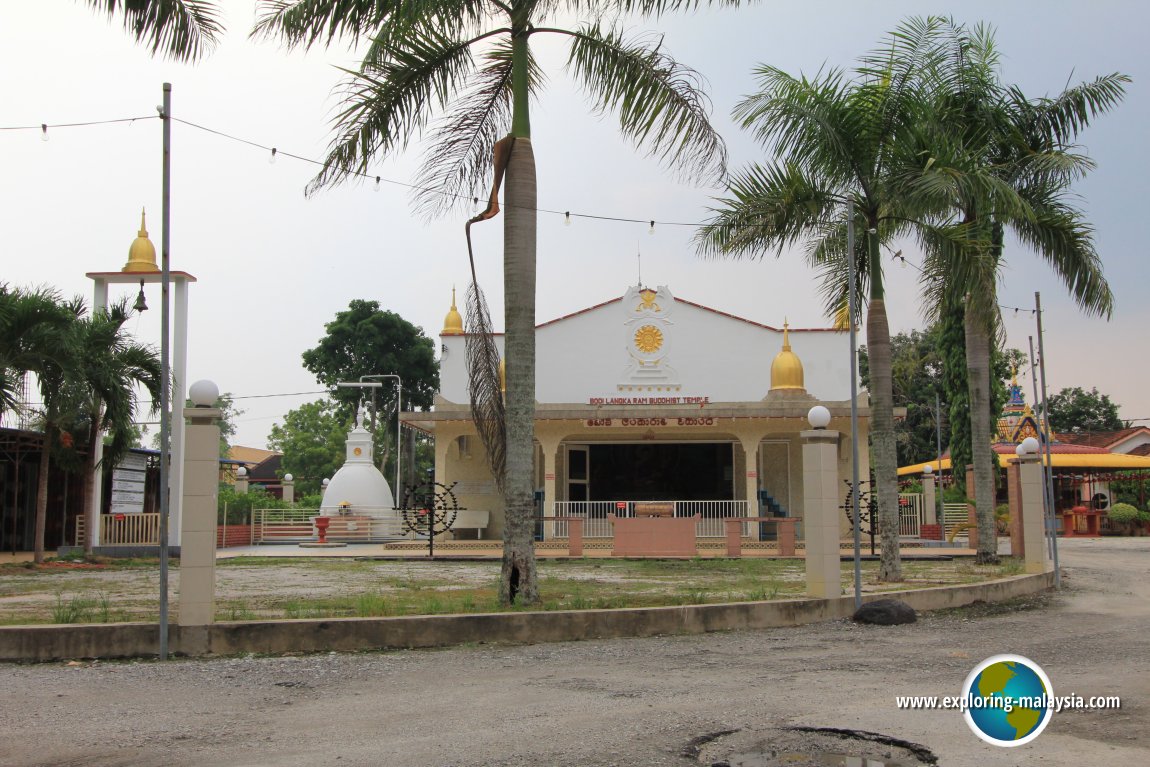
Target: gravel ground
{"x":657,"y":701}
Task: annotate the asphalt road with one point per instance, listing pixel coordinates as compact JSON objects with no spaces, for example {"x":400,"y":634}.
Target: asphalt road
{"x":616,"y":702}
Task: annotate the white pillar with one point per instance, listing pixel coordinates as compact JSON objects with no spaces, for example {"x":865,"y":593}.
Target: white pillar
{"x":821,"y":499}
{"x":751,"y":474}
{"x":99,"y":301}
{"x":197,"y":589}
{"x":930,"y":498}
{"x":179,"y":386}
{"x":1033,"y":527}
{"x":550,"y":449}
{"x":288,"y":488}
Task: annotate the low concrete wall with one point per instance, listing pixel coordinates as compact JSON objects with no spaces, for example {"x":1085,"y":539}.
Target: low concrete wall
{"x":120,"y":640}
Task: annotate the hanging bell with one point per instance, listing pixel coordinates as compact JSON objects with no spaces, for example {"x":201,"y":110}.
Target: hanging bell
{"x":141,"y":304}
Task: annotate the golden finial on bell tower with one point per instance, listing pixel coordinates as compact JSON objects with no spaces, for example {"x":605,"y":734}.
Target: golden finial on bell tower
{"x":142,"y":253}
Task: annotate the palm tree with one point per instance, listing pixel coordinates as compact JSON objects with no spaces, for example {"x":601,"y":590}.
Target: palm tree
{"x":52,"y":373}
{"x":1000,"y":160}
{"x":471,"y":61}
{"x":182,"y":29}
{"x":839,"y":143}
{"x":28,"y":322}
{"x":108,"y":367}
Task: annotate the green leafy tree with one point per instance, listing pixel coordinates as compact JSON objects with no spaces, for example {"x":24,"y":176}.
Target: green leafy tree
{"x":916,"y":374}
{"x":996,"y":160}
{"x":312,"y":440}
{"x":471,"y":62}
{"x":840,"y":147}
{"x":366,"y":340}
{"x":1076,"y":411}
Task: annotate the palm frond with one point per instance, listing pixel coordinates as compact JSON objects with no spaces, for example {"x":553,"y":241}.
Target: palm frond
{"x":771,"y":208}
{"x":386,"y":105}
{"x":304,"y":23}
{"x":660,"y":103}
{"x":183,"y":30}
{"x":488,"y":412}
{"x":457,"y":164}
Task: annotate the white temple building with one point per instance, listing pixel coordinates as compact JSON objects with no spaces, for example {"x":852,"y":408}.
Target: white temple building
{"x":651,"y":397}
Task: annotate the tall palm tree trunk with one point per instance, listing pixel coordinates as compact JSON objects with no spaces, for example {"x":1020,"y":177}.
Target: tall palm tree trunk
{"x":518,"y":582}
{"x":978,"y":379}
{"x":883,"y":449}
{"x":90,"y":478}
{"x":41,"y":521}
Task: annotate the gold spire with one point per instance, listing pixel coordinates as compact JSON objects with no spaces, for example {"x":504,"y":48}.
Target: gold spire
{"x":453,"y":322}
{"x":142,"y":253}
{"x":787,"y":369}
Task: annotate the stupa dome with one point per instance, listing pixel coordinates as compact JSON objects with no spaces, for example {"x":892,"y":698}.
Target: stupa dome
{"x":359,"y":486}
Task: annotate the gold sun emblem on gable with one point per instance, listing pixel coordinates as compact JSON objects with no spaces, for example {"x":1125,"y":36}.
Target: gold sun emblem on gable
{"x":648,"y":339}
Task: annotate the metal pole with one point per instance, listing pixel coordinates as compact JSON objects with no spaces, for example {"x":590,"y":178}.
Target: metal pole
{"x":939,"y":510}
{"x":854,"y":405}
{"x":398,"y":438}
{"x":165,"y":367}
{"x":1047,"y":499}
{"x":1046,"y":431}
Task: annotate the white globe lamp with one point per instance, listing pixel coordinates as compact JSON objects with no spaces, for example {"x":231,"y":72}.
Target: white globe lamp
{"x":204,"y":393}
{"x":818,"y":417}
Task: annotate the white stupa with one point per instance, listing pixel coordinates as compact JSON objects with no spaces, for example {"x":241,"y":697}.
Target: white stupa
{"x":358,"y":487}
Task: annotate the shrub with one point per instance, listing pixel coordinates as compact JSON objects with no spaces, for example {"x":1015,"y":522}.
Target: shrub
{"x":1124,"y":514}
{"x":1127,"y":518}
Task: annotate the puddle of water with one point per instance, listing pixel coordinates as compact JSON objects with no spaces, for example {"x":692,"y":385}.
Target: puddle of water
{"x":808,"y":759}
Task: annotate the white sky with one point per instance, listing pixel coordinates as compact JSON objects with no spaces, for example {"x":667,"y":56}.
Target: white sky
{"x":274,"y":267}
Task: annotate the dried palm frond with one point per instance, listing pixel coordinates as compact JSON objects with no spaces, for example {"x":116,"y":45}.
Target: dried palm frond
{"x":483,"y":379}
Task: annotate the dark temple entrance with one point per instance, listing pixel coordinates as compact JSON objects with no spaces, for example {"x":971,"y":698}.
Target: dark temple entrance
{"x":647,"y":471}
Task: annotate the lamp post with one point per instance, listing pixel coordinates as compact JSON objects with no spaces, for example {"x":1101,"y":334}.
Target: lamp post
{"x":857,"y":531}
{"x":367,"y":382}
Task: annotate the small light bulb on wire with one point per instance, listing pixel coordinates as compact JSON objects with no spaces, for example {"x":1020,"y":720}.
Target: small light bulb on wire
{"x":43,"y":131}
{"x":652,"y":229}
{"x":272,"y":157}
{"x":567,"y":218}
{"x":377,"y":183}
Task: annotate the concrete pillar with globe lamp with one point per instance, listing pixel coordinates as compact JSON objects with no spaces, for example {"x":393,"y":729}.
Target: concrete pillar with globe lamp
{"x":932,"y":524}
{"x":820,"y":505}
{"x":200,"y":501}
{"x":288,"y":485}
{"x":1033,"y":522}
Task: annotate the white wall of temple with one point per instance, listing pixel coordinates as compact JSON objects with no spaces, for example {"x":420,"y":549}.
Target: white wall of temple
{"x":702,"y":353}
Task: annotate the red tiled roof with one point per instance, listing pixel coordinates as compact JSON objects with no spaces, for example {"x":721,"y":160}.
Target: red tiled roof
{"x":1101,"y":438}
{"x":1005,"y":448}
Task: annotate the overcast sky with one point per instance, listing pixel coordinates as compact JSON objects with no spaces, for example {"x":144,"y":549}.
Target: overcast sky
{"x":274,"y":267}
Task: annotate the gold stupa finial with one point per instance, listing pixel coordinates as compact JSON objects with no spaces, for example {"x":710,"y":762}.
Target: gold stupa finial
{"x":142,"y":253}
{"x":453,"y":322}
{"x":787,"y":368}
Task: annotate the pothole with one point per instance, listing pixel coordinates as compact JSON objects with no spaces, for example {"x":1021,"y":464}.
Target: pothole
{"x":809,"y":747}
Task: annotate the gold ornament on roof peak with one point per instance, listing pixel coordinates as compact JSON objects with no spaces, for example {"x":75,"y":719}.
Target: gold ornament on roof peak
{"x":453,"y":322}
{"x":142,"y":253}
{"x":787,"y":368}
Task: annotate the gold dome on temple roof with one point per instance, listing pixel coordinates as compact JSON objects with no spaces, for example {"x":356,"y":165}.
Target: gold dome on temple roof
{"x":142,"y":253}
{"x":453,"y":322}
{"x":787,"y":369}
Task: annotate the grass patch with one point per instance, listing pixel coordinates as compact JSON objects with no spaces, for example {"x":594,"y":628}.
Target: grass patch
{"x":260,"y":588}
